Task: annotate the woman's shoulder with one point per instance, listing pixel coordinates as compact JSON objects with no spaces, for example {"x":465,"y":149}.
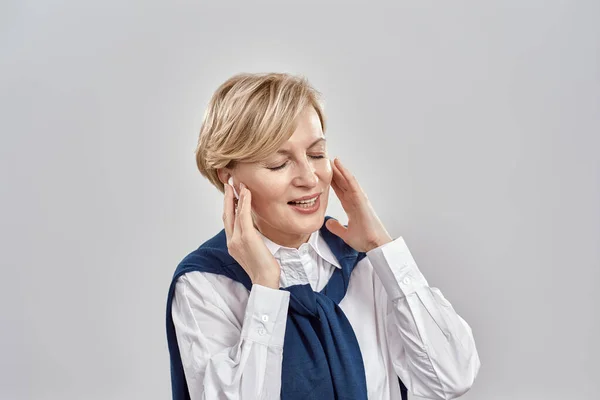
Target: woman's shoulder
{"x":211,"y":255}
{"x":209,"y":275}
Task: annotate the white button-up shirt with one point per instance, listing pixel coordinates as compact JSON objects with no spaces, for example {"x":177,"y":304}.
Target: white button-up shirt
{"x":231,"y":339}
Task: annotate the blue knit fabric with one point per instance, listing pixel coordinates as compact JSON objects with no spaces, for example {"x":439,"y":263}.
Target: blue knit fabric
{"x":321,"y":355}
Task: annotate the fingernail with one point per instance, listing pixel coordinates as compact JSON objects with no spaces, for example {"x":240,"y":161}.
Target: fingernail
{"x":242,"y":185}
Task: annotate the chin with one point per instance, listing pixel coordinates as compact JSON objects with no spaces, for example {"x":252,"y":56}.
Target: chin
{"x":308,"y":223}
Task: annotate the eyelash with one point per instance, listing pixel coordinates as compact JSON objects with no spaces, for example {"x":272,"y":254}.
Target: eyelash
{"x":285,"y":163}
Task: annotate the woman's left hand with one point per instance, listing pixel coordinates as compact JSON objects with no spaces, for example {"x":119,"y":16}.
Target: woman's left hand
{"x":365,"y":231}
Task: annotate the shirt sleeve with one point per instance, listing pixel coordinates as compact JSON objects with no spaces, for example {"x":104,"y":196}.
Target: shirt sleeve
{"x":223,"y":359}
{"x":431,"y":347}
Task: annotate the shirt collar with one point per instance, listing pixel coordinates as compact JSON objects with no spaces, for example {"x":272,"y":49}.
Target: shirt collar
{"x":315,"y":241}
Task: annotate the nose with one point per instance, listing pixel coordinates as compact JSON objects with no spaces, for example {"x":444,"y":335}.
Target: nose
{"x":306,"y":175}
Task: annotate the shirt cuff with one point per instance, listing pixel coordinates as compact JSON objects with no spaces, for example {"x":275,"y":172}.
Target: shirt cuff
{"x":396,"y":268}
{"x":266,"y":315}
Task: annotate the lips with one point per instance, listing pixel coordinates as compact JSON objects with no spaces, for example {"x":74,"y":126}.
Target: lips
{"x":307,"y":209}
{"x":309,"y":197}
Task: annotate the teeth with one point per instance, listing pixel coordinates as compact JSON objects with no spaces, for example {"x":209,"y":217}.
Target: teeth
{"x":307,"y":202}
{"x":303,"y":203}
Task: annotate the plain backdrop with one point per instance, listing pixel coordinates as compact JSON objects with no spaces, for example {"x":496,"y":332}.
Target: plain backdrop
{"x":474,"y":128}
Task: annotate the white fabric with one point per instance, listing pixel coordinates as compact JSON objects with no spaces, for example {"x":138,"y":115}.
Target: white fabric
{"x":231,"y":339}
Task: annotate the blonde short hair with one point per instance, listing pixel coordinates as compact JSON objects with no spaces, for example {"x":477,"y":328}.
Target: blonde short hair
{"x":249,"y":117}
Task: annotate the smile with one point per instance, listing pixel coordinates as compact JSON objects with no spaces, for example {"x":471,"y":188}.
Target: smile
{"x":306,"y":206}
{"x":306,"y":201}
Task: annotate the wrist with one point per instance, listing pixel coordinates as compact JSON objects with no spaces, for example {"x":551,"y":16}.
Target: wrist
{"x":379,"y":242}
{"x":267,"y":281}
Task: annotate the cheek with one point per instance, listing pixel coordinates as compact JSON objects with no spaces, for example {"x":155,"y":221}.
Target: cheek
{"x":269,"y":193}
{"x":326,"y":173}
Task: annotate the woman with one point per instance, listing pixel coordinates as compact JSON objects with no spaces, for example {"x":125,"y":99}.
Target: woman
{"x":286,"y":302}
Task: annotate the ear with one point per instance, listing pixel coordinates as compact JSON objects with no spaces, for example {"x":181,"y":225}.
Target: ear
{"x":223,"y":174}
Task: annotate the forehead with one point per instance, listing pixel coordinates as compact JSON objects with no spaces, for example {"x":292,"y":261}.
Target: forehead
{"x":308,"y":130}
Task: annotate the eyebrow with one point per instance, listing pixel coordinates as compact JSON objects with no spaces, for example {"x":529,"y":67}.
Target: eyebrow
{"x":321,"y":139}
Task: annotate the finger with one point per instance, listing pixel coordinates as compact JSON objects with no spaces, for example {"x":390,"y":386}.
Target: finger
{"x":336,"y":188}
{"x":228,"y":211}
{"x":245,"y":214}
{"x":237,"y":228}
{"x":345,"y":201}
{"x":339,"y":178}
{"x":348,"y":176}
{"x":336,"y":228}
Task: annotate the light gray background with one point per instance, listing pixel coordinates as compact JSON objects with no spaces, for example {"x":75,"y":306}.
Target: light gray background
{"x":473,"y":127}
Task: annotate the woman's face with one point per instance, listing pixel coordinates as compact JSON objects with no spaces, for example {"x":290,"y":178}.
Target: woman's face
{"x":300,"y":168}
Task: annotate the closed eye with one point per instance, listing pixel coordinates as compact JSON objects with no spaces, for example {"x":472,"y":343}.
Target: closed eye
{"x":285,"y":163}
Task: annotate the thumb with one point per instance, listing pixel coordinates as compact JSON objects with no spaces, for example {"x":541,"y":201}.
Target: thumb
{"x":336,"y":228}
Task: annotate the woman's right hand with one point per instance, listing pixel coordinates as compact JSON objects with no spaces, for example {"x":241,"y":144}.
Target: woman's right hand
{"x":244,"y":242}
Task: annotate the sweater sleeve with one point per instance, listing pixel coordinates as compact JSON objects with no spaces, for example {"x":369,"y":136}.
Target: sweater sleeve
{"x":223,"y":358}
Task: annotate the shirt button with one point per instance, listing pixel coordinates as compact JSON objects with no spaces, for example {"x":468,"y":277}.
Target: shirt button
{"x":265,"y":318}
{"x":406,"y":280}
{"x":262,"y":331}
